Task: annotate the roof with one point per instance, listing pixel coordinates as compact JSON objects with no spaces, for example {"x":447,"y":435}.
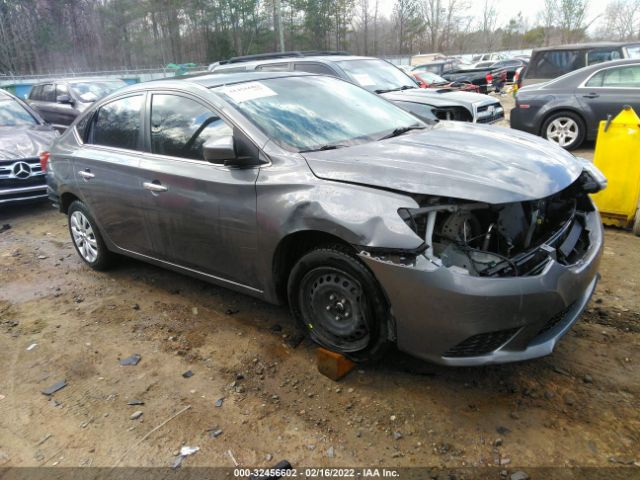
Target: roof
{"x":585,"y":46}
{"x":307,"y":58}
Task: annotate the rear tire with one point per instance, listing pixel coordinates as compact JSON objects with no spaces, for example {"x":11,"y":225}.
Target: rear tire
{"x":339,"y":303}
{"x":86,"y":237}
{"x":565,"y":129}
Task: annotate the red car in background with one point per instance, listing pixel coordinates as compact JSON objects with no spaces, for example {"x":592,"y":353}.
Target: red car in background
{"x":431,"y":80}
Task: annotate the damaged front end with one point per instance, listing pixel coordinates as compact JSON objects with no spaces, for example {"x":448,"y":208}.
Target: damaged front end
{"x":505,"y":240}
{"x":493,"y":283}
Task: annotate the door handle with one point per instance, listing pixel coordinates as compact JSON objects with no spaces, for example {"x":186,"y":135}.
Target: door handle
{"x":154,"y":187}
{"x":86,"y":174}
{"x":591,"y":95}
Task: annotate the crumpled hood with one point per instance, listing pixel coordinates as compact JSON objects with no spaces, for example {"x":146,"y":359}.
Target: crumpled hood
{"x":24,"y":142}
{"x":455,"y":159}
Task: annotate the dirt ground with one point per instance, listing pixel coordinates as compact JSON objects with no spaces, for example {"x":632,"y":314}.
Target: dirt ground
{"x":61,"y":321}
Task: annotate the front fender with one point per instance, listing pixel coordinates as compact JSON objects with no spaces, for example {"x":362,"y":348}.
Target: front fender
{"x":291,"y":199}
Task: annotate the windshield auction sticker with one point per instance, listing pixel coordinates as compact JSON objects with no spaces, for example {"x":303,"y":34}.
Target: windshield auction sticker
{"x":244,"y":92}
{"x":363,"y":79}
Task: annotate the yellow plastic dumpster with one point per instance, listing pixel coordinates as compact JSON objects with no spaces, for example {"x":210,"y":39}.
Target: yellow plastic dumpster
{"x":617,"y":155}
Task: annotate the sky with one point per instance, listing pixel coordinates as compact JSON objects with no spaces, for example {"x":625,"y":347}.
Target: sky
{"x":508,"y":9}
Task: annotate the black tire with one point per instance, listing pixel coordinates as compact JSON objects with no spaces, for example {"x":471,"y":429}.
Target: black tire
{"x":571,"y":119}
{"x":339,"y":303}
{"x":86,"y":237}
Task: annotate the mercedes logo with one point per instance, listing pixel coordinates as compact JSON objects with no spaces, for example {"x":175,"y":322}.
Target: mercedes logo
{"x":21,"y":170}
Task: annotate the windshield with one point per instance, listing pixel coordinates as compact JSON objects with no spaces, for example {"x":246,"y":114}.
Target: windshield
{"x":12,"y":114}
{"x":312,"y":112}
{"x":376,"y":75}
{"x":633,"y":51}
{"x":92,"y":91}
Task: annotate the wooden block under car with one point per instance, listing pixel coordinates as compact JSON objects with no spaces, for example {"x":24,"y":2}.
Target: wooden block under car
{"x":332,"y":364}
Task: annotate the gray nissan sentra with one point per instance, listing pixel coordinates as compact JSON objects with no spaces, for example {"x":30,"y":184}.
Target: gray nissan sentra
{"x":462,"y":244}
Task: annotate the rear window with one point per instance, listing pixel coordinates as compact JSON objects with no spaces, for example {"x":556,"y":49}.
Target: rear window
{"x":553,"y":63}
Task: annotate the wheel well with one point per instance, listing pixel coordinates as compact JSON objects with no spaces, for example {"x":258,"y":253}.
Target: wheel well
{"x":555,"y":112}
{"x":65,"y":200}
{"x":291,"y":248}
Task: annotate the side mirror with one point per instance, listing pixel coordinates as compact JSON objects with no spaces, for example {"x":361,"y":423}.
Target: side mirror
{"x":64,"y":99}
{"x":220,"y":150}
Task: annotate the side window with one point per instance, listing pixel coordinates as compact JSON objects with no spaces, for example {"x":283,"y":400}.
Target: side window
{"x":117,"y":124}
{"x":180,"y":126}
{"x":48,"y":93}
{"x":274,"y":67}
{"x":61,"y":89}
{"x":602,"y":55}
{"x":318,"y":68}
{"x":553,"y":63}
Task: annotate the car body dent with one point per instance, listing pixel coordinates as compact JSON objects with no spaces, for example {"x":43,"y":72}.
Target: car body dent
{"x":454,"y":159}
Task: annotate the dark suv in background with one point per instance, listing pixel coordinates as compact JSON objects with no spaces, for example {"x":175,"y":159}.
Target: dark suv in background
{"x":552,"y":62}
{"x":59,"y":102}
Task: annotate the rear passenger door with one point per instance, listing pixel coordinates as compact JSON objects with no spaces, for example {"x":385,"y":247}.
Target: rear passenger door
{"x":204,"y":214}
{"x":607,"y":91}
{"x":107,"y":172}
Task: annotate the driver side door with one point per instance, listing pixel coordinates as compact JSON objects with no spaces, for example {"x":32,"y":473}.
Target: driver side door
{"x":204,"y":214}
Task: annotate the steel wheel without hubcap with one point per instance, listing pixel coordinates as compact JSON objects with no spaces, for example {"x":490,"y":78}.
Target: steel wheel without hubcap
{"x":563,"y":131}
{"x":335,"y":306}
{"x":84,"y":236}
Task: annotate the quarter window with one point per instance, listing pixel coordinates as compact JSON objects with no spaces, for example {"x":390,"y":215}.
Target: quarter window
{"x":624,"y":77}
{"x":602,"y":55}
{"x":180,"y":126}
{"x":117,"y":124}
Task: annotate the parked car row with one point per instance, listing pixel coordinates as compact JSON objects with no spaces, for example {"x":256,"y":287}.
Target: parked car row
{"x":378,"y":76}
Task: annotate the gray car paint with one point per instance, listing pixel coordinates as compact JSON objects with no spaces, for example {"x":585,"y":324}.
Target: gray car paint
{"x":23,"y":143}
{"x":284,"y":197}
{"x":566,"y":93}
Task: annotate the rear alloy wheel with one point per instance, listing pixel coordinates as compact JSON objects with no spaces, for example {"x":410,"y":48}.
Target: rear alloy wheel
{"x":86,"y":237}
{"x":340,"y":304}
{"x":565,"y":129}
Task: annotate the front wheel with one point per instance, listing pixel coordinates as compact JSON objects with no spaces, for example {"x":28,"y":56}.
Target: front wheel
{"x":565,"y":129}
{"x":86,"y":237}
{"x":339,"y":302}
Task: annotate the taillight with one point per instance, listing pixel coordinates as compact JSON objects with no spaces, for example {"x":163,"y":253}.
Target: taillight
{"x":44,"y":160}
{"x":489,"y":78}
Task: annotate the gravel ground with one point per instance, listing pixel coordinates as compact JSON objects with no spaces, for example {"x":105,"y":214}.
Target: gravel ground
{"x":255,"y":393}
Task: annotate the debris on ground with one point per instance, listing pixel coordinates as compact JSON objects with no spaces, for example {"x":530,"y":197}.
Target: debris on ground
{"x":219,"y":402}
{"x":187,"y":374}
{"x":214,"y":432}
{"x":135,"y":402}
{"x":5,"y":227}
{"x":519,"y":475}
{"x":296,"y":339}
{"x":31,"y":347}
{"x":185,"y":451}
{"x":131,"y":360}
{"x":136,"y":415}
{"x":55,"y":387}
{"x":231,"y":311}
